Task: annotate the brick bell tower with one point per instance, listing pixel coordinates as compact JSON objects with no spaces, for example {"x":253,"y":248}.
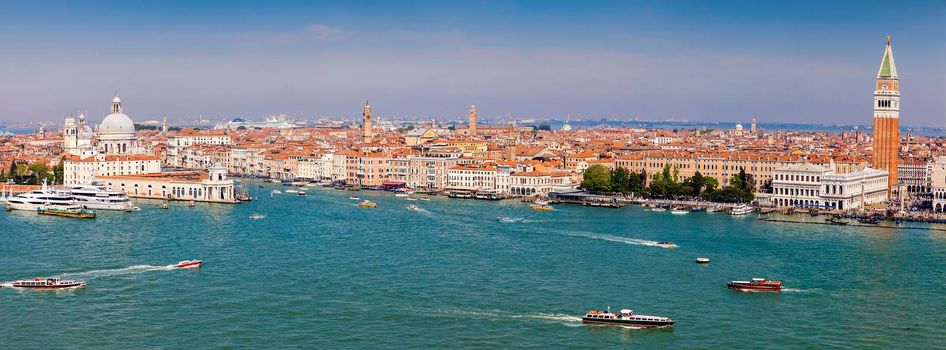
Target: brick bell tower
{"x":887,"y":118}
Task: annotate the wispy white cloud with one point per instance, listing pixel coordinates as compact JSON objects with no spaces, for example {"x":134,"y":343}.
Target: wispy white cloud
{"x":314,"y":33}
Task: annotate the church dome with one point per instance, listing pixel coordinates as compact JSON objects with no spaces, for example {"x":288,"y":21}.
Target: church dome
{"x":738,"y":126}
{"x":117,"y":123}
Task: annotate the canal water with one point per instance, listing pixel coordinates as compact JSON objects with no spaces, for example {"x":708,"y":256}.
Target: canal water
{"x":320,"y":272}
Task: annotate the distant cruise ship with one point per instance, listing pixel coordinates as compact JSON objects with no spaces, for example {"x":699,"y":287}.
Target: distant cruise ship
{"x":94,"y":196}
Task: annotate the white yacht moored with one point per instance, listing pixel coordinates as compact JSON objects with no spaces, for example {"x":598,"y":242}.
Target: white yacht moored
{"x":94,"y":196}
{"x":35,"y":199}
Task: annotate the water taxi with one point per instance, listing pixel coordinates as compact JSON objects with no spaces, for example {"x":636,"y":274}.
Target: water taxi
{"x":741,"y":209}
{"x":72,"y":211}
{"x":626,"y":318}
{"x":368,"y":204}
{"x":50,"y":283}
{"x":541,"y":207}
{"x":756,"y":284}
{"x":189,"y":264}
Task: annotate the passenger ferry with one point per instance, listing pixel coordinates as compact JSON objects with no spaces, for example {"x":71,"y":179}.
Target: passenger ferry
{"x":94,"y":196}
{"x":756,"y":284}
{"x":741,"y":209}
{"x":47,"y":284}
{"x":35,"y":199}
{"x":626,"y":318}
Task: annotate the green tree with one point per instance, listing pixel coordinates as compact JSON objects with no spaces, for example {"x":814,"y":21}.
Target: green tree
{"x":711,"y":184}
{"x":636,"y":183}
{"x":37,"y":172}
{"x":697,"y":182}
{"x":597,"y":179}
{"x":58,"y":173}
{"x":619,"y":180}
{"x":13,"y":175}
{"x":545,"y":127}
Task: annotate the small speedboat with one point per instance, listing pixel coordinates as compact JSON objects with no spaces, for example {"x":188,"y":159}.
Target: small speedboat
{"x":424,"y":198}
{"x":50,"y":283}
{"x":756,"y":284}
{"x":291,"y":191}
{"x":400,"y":194}
{"x":354,"y":198}
{"x":626,"y":318}
{"x":666,"y":245}
{"x":302,"y":193}
{"x":509,"y":220}
{"x":189,"y":264}
{"x":658,"y":209}
{"x":679,"y":211}
{"x":257,"y":216}
{"x":368,"y":204}
{"x":411,"y":198}
{"x":275,"y":192}
{"x":413,"y":207}
{"x":702,"y":260}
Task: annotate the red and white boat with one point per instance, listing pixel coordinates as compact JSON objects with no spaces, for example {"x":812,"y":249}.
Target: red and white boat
{"x":756,"y":284}
{"x":49,"y":283}
{"x":188,"y":264}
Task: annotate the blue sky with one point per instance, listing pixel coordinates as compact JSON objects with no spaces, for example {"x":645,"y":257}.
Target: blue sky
{"x":776,"y":61}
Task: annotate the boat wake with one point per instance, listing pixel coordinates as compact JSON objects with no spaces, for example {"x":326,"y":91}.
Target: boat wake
{"x":619,"y":239}
{"x":571,"y":319}
{"x":795,"y":290}
{"x":116,"y":272}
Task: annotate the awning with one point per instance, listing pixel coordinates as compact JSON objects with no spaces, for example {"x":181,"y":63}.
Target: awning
{"x":393,"y":183}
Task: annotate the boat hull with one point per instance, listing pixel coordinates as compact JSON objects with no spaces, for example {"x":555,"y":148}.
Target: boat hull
{"x":56,"y":287}
{"x":629,"y":323}
{"x":753,"y":288}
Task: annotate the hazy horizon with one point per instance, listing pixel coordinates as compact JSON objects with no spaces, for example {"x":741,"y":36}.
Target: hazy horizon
{"x":808,"y":62}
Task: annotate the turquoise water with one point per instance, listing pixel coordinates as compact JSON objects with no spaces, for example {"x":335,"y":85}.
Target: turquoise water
{"x":320,"y":272}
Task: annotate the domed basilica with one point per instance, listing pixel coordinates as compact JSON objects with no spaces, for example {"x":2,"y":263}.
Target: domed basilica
{"x":116,"y":134}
